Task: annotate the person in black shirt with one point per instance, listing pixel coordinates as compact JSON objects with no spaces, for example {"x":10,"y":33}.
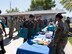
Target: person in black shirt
{"x":2,"y":28}
{"x":45,"y":22}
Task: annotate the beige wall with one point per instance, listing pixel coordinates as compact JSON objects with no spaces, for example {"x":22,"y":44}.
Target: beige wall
{"x":48,"y":16}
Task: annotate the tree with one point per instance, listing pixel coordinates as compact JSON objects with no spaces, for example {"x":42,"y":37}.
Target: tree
{"x":67,"y":4}
{"x":13,"y":10}
{"x":42,"y":4}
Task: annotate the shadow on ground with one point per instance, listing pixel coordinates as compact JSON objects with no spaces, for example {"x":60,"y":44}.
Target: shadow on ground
{"x":16,"y":37}
{"x":7,"y":41}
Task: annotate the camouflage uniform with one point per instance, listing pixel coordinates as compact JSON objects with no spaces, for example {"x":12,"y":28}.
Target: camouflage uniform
{"x":58,"y":44}
{"x":35,"y":27}
{"x":17,"y":25}
{"x":11,"y":26}
{"x":40,"y":25}
{"x":60,"y":39}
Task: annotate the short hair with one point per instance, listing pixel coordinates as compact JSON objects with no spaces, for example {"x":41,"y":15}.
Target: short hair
{"x":59,"y":15}
{"x":68,"y":17}
{"x":31,"y":16}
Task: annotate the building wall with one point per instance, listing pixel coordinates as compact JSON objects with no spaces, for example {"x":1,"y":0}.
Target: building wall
{"x":44,"y":16}
{"x":47,"y":16}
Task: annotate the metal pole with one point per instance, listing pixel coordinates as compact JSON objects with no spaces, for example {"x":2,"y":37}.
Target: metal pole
{"x":10,"y":5}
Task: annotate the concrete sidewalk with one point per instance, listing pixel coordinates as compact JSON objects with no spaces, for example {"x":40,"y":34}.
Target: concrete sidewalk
{"x":68,"y":48}
{"x":12,"y":46}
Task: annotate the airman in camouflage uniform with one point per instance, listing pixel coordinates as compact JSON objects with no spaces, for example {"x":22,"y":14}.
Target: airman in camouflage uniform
{"x":40,"y":23}
{"x":60,"y":39}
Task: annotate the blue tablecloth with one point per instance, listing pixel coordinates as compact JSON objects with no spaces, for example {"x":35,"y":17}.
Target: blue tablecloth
{"x":29,"y":48}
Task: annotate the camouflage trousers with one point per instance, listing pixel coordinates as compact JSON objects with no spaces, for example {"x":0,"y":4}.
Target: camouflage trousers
{"x":11,"y":29}
{"x":58,"y":47}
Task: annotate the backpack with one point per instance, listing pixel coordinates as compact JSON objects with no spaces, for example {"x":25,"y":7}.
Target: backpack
{"x":1,"y":31}
{"x":51,"y":27}
{"x":23,"y":32}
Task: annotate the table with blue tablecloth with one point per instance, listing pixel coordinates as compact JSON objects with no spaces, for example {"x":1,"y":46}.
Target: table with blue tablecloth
{"x":30,"y":48}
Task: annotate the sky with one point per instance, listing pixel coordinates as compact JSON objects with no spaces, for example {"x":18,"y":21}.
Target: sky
{"x":23,"y":5}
